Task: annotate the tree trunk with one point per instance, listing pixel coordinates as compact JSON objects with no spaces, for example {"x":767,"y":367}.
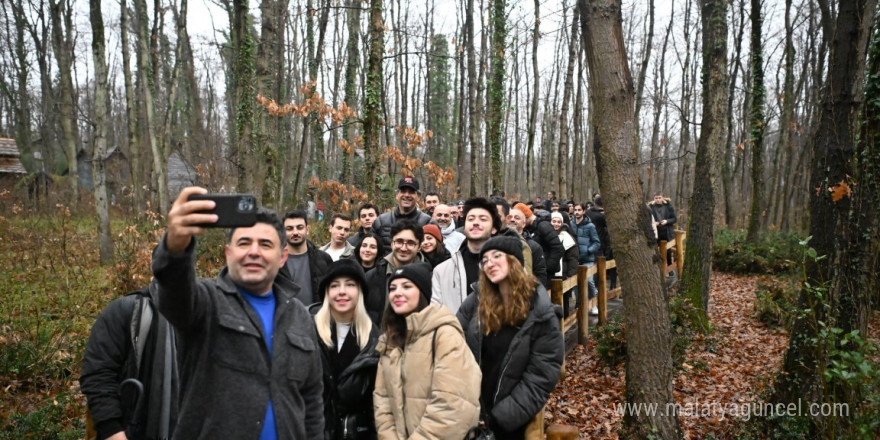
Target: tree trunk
{"x":102,"y":105}
{"x":649,"y":366}
{"x":536,"y":91}
{"x":756,"y":122}
{"x":351,"y":86}
{"x":495,"y":110}
{"x":562,"y":159}
{"x":701,"y":226}
{"x":62,"y":45}
{"x":373,"y":97}
{"x":833,"y":147}
{"x":144,"y":79}
{"x":134,"y":147}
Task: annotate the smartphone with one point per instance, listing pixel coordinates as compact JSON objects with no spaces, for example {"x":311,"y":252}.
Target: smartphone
{"x":233,"y":210}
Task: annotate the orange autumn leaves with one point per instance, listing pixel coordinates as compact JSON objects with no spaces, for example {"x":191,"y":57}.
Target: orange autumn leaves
{"x":314,"y":104}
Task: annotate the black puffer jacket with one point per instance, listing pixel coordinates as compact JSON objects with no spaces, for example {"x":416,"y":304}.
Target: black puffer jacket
{"x":111,"y":357}
{"x":348,"y":397}
{"x":531,"y":365}
{"x":382,"y":225}
{"x":542,"y":232}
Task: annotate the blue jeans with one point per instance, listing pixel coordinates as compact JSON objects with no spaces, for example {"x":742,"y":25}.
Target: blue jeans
{"x":591,"y":283}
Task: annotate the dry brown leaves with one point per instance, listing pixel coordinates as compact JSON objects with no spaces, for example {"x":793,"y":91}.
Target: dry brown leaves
{"x":726,"y":369}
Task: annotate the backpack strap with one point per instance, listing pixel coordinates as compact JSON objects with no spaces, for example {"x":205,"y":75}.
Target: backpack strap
{"x":433,"y":343}
{"x":144,"y":316}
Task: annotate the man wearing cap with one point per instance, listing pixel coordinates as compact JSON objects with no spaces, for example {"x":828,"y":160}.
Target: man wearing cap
{"x":407,"y":209}
{"x":405,"y":244}
{"x":454,"y":278}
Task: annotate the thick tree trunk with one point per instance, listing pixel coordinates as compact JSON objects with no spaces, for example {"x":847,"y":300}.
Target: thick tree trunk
{"x":102,"y":105}
{"x":649,"y":339}
{"x":833,"y":147}
{"x":701,"y":227}
{"x":351,"y":84}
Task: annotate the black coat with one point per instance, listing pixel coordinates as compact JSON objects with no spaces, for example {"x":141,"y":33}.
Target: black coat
{"x":382,"y":225}
{"x":542,"y":232}
{"x":664,"y":211}
{"x":227,"y":373}
{"x":111,"y":357}
{"x":348,"y":396}
{"x":531,"y":365}
{"x":597,"y":216}
{"x":539,"y":263}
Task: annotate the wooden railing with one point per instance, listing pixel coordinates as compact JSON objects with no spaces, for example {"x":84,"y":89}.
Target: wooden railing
{"x":559,"y":286}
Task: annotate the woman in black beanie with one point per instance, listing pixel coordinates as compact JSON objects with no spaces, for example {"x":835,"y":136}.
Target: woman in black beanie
{"x":347,"y":338}
{"x":428,"y":383}
{"x":512,"y":329}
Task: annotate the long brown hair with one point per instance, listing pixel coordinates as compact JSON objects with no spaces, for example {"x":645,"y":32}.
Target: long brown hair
{"x":494,"y":314}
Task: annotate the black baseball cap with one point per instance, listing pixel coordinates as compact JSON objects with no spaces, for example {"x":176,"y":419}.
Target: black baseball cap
{"x":408,"y":181}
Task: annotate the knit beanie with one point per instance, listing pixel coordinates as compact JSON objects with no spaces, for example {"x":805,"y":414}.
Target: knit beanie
{"x":344,"y":268}
{"x":525,"y":209}
{"x":503,"y":243}
{"x":419,"y":273}
{"x":556,"y":214}
{"x":434,"y":231}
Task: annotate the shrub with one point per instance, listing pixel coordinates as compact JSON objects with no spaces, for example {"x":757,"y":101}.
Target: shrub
{"x":56,"y":417}
{"x":611,"y":341}
{"x":777,"y":301}
{"x":775,"y":253}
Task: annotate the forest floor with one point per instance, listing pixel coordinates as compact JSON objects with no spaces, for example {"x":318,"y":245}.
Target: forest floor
{"x":722,"y":372}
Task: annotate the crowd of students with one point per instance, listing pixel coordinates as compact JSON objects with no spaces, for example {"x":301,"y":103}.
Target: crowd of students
{"x":416,"y":324}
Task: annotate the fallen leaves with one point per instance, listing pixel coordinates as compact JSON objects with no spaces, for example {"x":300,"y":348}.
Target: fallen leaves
{"x":722,"y":373}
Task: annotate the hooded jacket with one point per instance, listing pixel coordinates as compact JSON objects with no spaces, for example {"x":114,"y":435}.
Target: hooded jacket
{"x":227,"y":373}
{"x":531,"y":365}
{"x":430,"y":389}
{"x":588,"y":241}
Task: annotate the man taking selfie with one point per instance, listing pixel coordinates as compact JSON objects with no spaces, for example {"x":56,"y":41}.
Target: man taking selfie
{"x":249,"y":365}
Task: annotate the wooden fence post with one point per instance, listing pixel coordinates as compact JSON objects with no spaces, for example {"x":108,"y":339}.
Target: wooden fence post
{"x":601,"y":291}
{"x":679,"y":251}
{"x":583,"y":308}
{"x":663,"y":267}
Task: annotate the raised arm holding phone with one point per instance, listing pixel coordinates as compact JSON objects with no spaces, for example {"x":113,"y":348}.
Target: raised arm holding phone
{"x":247,"y":346}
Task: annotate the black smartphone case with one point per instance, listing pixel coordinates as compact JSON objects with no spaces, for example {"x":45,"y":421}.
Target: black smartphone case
{"x":233,"y":210}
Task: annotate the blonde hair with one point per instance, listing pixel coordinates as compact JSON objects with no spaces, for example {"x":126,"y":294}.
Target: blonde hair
{"x":494,"y":314}
{"x":361,"y":323}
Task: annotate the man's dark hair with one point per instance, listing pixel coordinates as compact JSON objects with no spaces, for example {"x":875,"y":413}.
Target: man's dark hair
{"x":552,"y":192}
{"x":432,"y":193}
{"x":407,"y":224}
{"x":297,"y":213}
{"x":368,"y":206}
{"x":582,"y":205}
{"x":596,"y":194}
{"x":482,"y":202}
{"x":598,"y":201}
{"x":340,"y":216}
{"x":268,"y":217}
{"x":658,"y":193}
{"x":499,"y":201}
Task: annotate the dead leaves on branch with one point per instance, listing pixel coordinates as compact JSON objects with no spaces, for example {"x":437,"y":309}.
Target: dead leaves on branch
{"x":312,"y":103}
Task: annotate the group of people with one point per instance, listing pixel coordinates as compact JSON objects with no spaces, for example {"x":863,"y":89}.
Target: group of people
{"x":420,"y":324}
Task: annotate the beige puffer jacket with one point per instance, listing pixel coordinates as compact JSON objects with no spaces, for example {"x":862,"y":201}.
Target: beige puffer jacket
{"x":415,"y":400}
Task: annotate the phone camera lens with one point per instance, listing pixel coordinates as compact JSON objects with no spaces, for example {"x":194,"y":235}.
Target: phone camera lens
{"x":246,"y":204}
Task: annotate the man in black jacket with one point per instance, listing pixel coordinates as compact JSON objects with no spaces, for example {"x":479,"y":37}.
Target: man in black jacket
{"x":366,"y":215}
{"x":131,"y":340}
{"x":407,"y":208}
{"x":306,"y":264}
{"x":540,"y":230}
{"x":250,"y":367}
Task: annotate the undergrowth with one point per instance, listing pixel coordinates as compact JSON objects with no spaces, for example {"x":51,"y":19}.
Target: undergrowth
{"x":775,"y":253}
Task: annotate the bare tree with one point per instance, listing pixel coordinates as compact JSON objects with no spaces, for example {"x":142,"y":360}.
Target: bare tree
{"x":649,"y":367}
{"x":757,"y":121}
{"x":102,"y":104}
